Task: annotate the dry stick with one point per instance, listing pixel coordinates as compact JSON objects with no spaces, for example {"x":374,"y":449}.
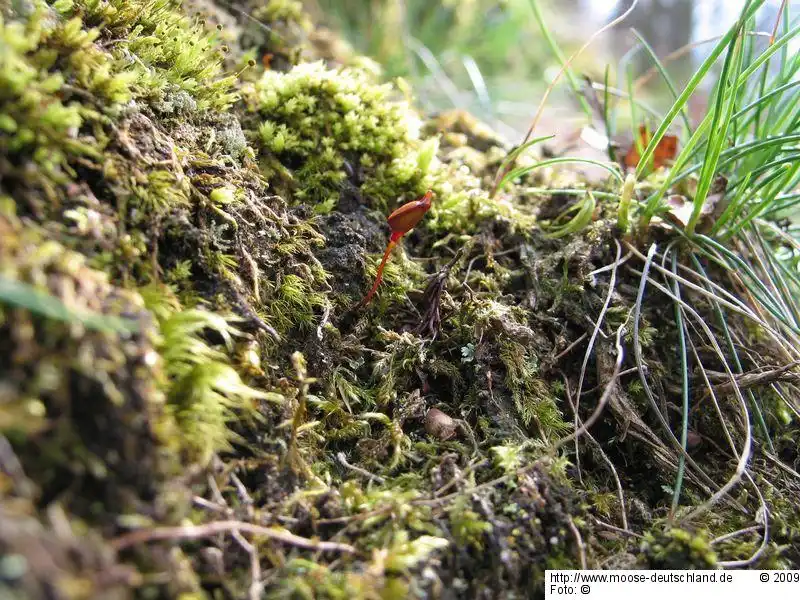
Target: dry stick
{"x":777,"y":23}
{"x":244,"y":495}
{"x":254,"y":274}
{"x":213,"y":506}
{"x":781,"y":465}
{"x":761,"y":374}
{"x":256,"y":587}
{"x":475,"y":488}
{"x":464,"y":473}
{"x":611,"y":266}
{"x":251,"y":18}
{"x":353,"y":518}
{"x":617,"y":529}
{"x":12,"y":467}
{"x":567,"y":350}
{"x":192,"y":532}
{"x":502,"y":172}
{"x":746,"y":380}
{"x":611,"y":287}
{"x":579,"y":541}
{"x":733,"y":534}
{"x":676,"y":54}
{"x":430,"y":502}
{"x":343,"y":459}
{"x":597,"y":387}
{"x":215,"y":491}
{"x":606,"y":459}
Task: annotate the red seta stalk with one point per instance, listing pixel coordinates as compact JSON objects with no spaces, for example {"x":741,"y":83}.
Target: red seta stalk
{"x":401,"y":221}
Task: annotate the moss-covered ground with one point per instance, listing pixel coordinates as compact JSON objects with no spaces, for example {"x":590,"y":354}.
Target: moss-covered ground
{"x":193,"y":201}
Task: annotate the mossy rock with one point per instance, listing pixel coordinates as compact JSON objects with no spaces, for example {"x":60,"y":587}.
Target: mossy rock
{"x":189,"y":217}
{"x":80,"y":377}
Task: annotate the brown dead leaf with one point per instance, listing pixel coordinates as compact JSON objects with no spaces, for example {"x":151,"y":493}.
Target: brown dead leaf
{"x":665,"y":152}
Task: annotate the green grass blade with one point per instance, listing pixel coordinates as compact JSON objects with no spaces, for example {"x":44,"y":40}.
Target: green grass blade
{"x":695,"y":81}
{"x":20,"y":294}
{"x":520,"y":171}
{"x":720,"y":124}
{"x":666,"y":77}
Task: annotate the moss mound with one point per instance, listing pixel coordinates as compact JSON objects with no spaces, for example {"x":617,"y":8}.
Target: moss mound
{"x":192,"y":203}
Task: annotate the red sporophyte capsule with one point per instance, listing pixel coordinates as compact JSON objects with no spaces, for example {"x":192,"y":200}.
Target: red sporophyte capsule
{"x":401,"y":221}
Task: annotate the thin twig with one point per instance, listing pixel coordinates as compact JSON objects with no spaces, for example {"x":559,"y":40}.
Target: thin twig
{"x":621,"y":374}
{"x":595,"y":331}
{"x":746,"y":380}
{"x":213,"y":506}
{"x":256,"y":587}
{"x":192,"y":532}
{"x":502,"y":172}
{"x":682,"y":51}
{"x":627,"y":532}
{"x":357,"y":469}
{"x":455,"y":480}
{"x":606,"y":459}
{"x":782,"y":465}
{"x":743,"y":564}
{"x":578,"y":541}
{"x":475,"y":488}
{"x":244,"y":496}
{"x":567,"y":350}
{"x":733,"y":534}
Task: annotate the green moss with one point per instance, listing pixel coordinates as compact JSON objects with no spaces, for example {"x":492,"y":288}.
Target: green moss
{"x":533,"y":400}
{"x":82,"y":405}
{"x":170,"y":50}
{"x":321,"y":124}
{"x":677,"y":549}
{"x":204,"y":392}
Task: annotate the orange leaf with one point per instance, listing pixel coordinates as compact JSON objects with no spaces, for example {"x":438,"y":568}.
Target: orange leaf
{"x":666,"y":149}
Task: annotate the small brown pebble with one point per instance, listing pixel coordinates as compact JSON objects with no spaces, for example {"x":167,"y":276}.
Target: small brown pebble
{"x":693,"y":440}
{"x":439,"y":425}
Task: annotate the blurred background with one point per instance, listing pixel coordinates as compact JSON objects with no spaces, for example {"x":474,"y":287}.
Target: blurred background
{"x":491,"y":57}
